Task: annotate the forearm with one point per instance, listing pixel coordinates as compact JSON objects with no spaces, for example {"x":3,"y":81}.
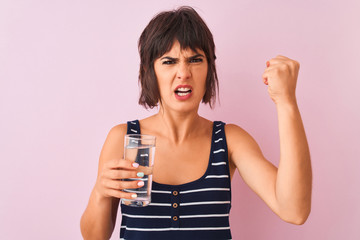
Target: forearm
{"x":96,"y":222}
{"x":294,"y":177}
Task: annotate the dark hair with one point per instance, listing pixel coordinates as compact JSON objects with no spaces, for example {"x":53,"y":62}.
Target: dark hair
{"x":188,"y":28}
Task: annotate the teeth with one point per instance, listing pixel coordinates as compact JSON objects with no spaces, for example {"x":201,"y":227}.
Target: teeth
{"x":182,"y":94}
{"x":183,"y":89}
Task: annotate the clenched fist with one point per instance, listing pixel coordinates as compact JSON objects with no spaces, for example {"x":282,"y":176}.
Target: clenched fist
{"x":281,"y":77}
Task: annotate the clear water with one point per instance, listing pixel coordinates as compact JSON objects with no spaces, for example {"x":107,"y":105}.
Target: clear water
{"x":144,"y":156}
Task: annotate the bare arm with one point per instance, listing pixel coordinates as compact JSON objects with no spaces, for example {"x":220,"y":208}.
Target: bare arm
{"x":98,"y":220}
{"x":287,"y":189}
{"x":294,"y":177}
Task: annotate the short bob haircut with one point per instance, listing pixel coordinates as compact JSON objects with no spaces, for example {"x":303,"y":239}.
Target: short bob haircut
{"x":188,"y":28}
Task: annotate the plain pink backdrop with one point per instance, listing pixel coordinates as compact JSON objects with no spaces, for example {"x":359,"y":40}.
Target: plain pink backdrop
{"x":68,"y":73}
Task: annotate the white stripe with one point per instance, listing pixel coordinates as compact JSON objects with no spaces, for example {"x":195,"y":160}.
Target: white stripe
{"x":220,"y":139}
{"x":144,"y":216}
{"x":217,"y":176}
{"x":133,"y":191}
{"x":218,"y":125}
{"x":204,"y":215}
{"x":218,"y":131}
{"x":220,"y":150}
{"x":204,"y":228}
{"x":176,"y":229}
{"x":133,"y":123}
{"x":134,"y":141}
{"x":144,"y":155}
{"x":161,"y":204}
{"x":157,"y":191}
{"x":205,"y":189}
{"x":203,"y":203}
{"x":133,"y":130}
{"x":218,"y":163}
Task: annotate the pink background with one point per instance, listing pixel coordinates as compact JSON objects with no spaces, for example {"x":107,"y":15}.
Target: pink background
{"x":68,"y":73}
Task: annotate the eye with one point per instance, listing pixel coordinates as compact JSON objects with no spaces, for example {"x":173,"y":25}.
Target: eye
{"x":168,"y":62}
{"x":196,"y":60}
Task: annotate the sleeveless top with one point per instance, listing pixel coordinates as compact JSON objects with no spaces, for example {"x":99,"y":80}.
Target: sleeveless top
{"x":195,"y":210}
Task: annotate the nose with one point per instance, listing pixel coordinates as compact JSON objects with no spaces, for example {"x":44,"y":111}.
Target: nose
{"x":184,"y":71}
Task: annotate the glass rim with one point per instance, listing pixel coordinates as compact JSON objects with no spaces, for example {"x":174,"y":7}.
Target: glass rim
{"x":140,"y":136}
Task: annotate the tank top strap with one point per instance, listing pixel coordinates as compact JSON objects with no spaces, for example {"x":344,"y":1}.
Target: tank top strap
{"x":133,"y":127}
{"x":219,"y":152}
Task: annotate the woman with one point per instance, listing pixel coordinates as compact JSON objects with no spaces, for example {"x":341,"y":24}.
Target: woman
{"x":191,"y":191}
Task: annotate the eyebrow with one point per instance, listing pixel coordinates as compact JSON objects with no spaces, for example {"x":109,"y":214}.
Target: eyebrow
{"x":175,"y":59}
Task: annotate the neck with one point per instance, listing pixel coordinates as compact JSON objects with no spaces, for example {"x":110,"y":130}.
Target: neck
{"x":179,"y":126}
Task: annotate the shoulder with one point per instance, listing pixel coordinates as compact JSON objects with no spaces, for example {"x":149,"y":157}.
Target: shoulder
{"x":114,"y":140}
{"x":239,"y":141}
{"x":234,"y":131}
{"x":117,"y":131}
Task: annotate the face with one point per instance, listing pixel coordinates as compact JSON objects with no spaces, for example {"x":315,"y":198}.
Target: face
{"x":181,"y":76}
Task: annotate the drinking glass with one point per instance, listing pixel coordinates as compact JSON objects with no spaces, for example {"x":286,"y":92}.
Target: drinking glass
{"x":140,"y":148}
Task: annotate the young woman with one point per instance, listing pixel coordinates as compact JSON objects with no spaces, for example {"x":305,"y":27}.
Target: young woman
{"x":195,"y":157}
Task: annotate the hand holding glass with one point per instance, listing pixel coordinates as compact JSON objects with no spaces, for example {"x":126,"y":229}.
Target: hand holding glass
{"x":140,"y":149}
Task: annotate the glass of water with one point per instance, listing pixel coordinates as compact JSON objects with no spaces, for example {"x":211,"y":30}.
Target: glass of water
{"x":140,"y":148}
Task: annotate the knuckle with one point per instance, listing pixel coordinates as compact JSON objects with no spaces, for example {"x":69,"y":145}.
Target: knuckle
{"x":118,"y":174}
{"x":292,"y":64}
{"x":103,"y":182}
{"x":284,"y":66}
{"x":113,"y":174}
{"x":120,"y":185}
{"x":129,"y":174}
{"x":122,"y":174}
{"x":118,"y":194}
{"x":115,"y":193}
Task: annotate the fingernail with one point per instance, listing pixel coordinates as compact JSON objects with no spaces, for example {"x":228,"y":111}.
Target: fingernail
{"x":267,"y":63}
{"x":135,"y":164}
{"x":140,"y":174}
{"x":134,"y":195}
{"x":140,"y":184}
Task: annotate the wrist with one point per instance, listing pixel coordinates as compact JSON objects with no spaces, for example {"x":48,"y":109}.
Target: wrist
{"x":286,"y":101}
{"x":98,"y":196}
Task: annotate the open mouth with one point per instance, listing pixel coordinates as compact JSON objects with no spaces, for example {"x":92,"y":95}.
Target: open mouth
{"x":183,"y":91}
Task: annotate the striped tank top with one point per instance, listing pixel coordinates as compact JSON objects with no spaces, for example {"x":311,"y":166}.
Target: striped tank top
{"x":194,"y":210}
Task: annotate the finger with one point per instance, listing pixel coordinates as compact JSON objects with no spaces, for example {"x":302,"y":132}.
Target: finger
{"x":120,"y":194}
{"x":120,"y":185}
{"x":122,"y":174}
{"x":282,"y":57}
{"x":146,"y":170}
{"x":275,"y":61}
{"x":265,"y":76}
{"x":122,"y":163}
{"x":265,"y":81}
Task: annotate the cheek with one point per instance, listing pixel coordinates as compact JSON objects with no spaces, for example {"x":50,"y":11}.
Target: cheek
{"x":164,"y":85}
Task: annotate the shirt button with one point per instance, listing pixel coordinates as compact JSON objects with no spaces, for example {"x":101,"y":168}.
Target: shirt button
{"x":175,"y":205}
{"x":175,"y":193}
{"x":175,"y":218}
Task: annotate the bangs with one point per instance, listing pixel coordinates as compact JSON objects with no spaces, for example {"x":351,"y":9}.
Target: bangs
{"x":182,"y":28}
